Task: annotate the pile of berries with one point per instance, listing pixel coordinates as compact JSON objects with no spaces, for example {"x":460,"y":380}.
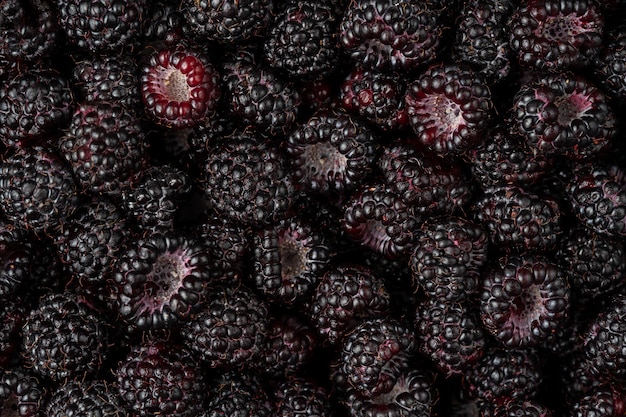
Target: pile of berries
{"x":303,"y":208}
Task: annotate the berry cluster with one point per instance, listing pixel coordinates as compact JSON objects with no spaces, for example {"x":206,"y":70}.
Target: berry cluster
{"x":302,"y":208}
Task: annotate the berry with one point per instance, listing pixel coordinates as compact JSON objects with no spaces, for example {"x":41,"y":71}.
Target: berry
{"x":450,"y":335}
{"x":301,"y":397}
{"x":258,"y":96}
{"x":375,"y":354}
{"x":331,"y":152}
{"x":448,"y":256}
{"x":100,"y":27}
{"x":609,"y":68}
{"x":159,"y":280}
{"x":301,"y":39}
{"x":428,"y":183}
{"x":376,"y":217}
{"x":12,"y":315}
{"x":231,"y":329}
{"x":105,"y":145}
{"x":291,"y":343}
{"x":227,"y":21}
{"x":449,"y":108}
{"x":288,"y":261}
{"x":64,"y":338}
{"x":390,"y":35}
{"x":161,"y":378}
{"x":248,"y":180}
{"x":376,"y":97}
{"x":564,"y":115}
{"x":519,"y":219}
{"x":22,"y":393}
{"x":180,"y":87}
{"x":556,"y":34}
{"x":238,"y":394}
{"x":37,"y":190}
{"x":345,"y":295}
{"x":90,"y":399}
{"x":34,"y":105}
{"x":597,"y":195}
{"x":523,"y":300}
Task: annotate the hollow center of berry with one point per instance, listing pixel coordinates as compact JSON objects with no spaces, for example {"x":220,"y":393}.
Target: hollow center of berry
{"x":323,"y":163}
{"x":168,"y":274}
{"x":561,"y":28}
{"x":176,"y":86}
{"x":440,"y":116}
{"x":572,"y":107}
{"x":292,"y":258}
{"x":528,"y":307}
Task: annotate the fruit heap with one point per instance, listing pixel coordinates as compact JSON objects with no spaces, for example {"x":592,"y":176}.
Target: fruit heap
{"x":301,"y":208}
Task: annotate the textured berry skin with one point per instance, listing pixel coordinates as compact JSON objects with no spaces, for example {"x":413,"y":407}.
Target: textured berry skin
{"x":15,"y":268}
{"x":375,"y":354}
{"x":519,"y":219}
{"x":258,"y":96}
{"x":414,"y":394}
{"x":33,"y":105}
{"x":450,"y":335}
{"x":302,"y":39}
{"x":504,"y":159}
{"x":519,"y":408}
{"x":594,"y":264}
{"x":378,"y":218}
{"x":482,"y":37}
{"x":231,"y":330}
{"x":603,"y":400}
{"x":288,"y":261}
{"x":13,"y":312}
{"x":228,"y":245}
{"x":376,"y":97}
{"x":609,"y":68}
{"x":180,"y":87}
{"x":29,"y":31}
{"x":248,"y":180}
{"x":331,"y":152}
{"x":92,"y":240}
{"x":291,"y":343}
{"x":101,"y":27}
{"x":428,"y":183}
{"x":238,"y":394}
{"x":564,"y":115}
{"x":505,"y":373}
{"x":37,"y":190}
{"x":107,"y":78}
{"x":597,"y":196}
{"x":227,"y":21}
{"x":161,"y":378}
{"x":89,"y":399}
{"x":604,"y":342}
{"x":345,"y":295}
{"x":390,"y":35}
{"x":163,"y":22}
{"x":21,"y":393}
{"x":523,"y":300}
{"x":106,"y":147}
{"x":159,"y":280}
{"x":64,"y":338}
{"x":302,"y":397}
{"x":449,"y":107}
{"x":556,"y":34}
{"x":155,"y":199}
{"x":448,"y":256}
